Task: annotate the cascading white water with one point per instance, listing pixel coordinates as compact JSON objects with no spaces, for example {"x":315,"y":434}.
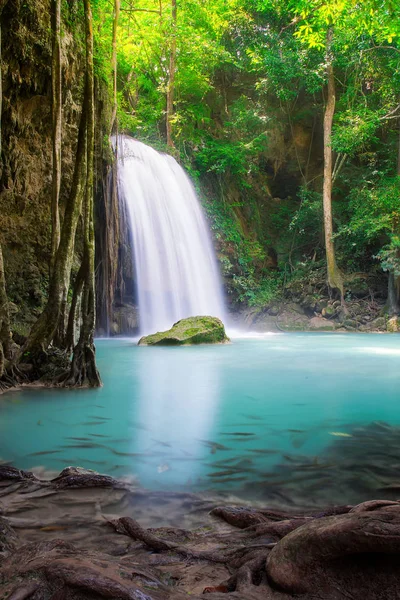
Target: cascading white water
{"x":175,"y":265}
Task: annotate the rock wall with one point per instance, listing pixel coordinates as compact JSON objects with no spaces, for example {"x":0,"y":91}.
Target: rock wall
{"x":25,"y":184}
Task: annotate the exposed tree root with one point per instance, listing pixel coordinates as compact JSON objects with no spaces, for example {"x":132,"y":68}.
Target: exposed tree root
{"x":134,"y":530}
{"x":8,"y":539}
{"x":22,"y":592}
{"x":83,"y":371}
{"x":59,"y":567}
{"x":76,"y":477}
{"x":8,"y":472}
{"x":351,"y":554}
{"x":292,"y":563}
{"x":11,"y":377}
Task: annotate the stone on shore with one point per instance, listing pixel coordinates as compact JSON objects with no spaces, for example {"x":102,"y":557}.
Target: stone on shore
{"x":190,"y":331}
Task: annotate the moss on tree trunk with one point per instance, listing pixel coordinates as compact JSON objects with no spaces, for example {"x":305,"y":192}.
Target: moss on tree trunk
{"x":56,"y":98}
{"x":171,"y":82}
{"x":83,"y":366}
{"x":43,"y":331}
{"x":4,"y":319}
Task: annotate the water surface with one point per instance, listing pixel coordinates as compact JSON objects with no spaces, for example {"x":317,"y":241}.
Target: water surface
{"x":303,"y":418}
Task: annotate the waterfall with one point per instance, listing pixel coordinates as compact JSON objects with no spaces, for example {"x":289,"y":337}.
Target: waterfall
{"x":175,"y":265}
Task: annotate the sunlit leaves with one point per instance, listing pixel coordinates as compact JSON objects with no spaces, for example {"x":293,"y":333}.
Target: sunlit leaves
{"x":144,"y":41}
{"x":355,"y":129}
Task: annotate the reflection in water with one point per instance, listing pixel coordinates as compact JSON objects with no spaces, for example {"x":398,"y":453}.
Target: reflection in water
{"x":176,"y":411}
{"x":289,"y":418}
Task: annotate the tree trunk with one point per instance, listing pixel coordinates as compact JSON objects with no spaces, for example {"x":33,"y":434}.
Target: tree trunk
{"x":2,"y":5}
{"x":112,"y":214}
{"x":4,"y":315}
{"x":393,"y":302}
{"x":69,"y":337}
{"x":296,"y":562}
{"x":1,"y":94}
{"x":59,"y":339}
{"x":83,"y":367}
{"x":171,"y":82}
{"x":393,"y":280}
{"x":335,"y":280}
{"x":117,"y":7}
{"x":398,"y":154}
{"x":44,"y":329}
{"x":4,"y":319}
{"x":56,"y":98}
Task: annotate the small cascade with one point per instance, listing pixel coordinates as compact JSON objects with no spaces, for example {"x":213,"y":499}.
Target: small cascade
{"x":175,"y":265}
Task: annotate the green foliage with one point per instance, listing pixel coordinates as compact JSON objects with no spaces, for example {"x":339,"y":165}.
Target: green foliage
{"x":249,"y":97}
{"x":258,"y":291}
{"x":307,"y":220}
{"x":389,"y":256}
{"x":356,"y":130}
{"x":375,"y":216}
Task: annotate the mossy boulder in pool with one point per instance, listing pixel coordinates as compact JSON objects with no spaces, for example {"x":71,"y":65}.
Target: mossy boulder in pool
{"x":194,"y":330}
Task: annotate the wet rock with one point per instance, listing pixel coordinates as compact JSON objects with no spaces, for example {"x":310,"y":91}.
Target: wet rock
{"x":309,"y":302}
{"x":125,"y":320}
{"x":320,"y":305}
{"x":273,"y":310}
{"x":77,"y":477}
{"x":292,"y":321}
{"x":321,"y":324}
{"x":194,"y":330}
{"x":393,"y":325}
{"x":294,"y":307}
{"x":329,"y":312}
{"x":350,"y":323}
{"x":379,"y":323}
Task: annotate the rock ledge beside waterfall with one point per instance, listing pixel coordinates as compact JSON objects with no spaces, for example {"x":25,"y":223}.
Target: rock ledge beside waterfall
{"x":190,"y":331}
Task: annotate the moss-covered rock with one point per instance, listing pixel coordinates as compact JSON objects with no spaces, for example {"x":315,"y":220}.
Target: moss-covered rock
{"x":393,"y":324}
{"x":194,"y":330}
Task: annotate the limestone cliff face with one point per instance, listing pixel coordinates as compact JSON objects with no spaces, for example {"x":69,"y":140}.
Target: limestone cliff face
{"x":25,"y":185}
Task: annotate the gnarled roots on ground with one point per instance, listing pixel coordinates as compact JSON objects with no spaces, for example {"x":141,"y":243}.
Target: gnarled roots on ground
{"x":344,"y":552}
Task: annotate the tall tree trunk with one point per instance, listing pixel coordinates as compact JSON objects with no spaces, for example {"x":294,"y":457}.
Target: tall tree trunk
{"x":171,"y":82}
{"x":2,"y":5}
{"x":4,"y":319}
{"x":393,"y":301}
{"x":43,"y":331}
{"x":56,"y":98}
{"x":1,"y":91}
{"x":69,"y":337}
{"x":393,"y":280}
{"x":335,"y":280}
{"x":117,"y":8}
{"x":83,"y":367}
{"x":398,"y":154}
{"x":59,"y":338}
{"x":4,"y":314}
{"x":112,"y":208}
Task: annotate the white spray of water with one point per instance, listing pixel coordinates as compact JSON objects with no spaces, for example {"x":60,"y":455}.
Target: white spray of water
{"x":175,"y":265}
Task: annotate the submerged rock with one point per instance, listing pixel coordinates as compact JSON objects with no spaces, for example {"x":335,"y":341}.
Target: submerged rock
{"x":193,"y":330}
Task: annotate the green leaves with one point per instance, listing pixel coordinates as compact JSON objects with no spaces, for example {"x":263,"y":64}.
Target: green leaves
{"x":355,"y":130}
{"x":375,"y":216}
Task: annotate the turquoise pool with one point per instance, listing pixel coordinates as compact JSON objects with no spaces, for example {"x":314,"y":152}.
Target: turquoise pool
{"x":301,"y":416}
